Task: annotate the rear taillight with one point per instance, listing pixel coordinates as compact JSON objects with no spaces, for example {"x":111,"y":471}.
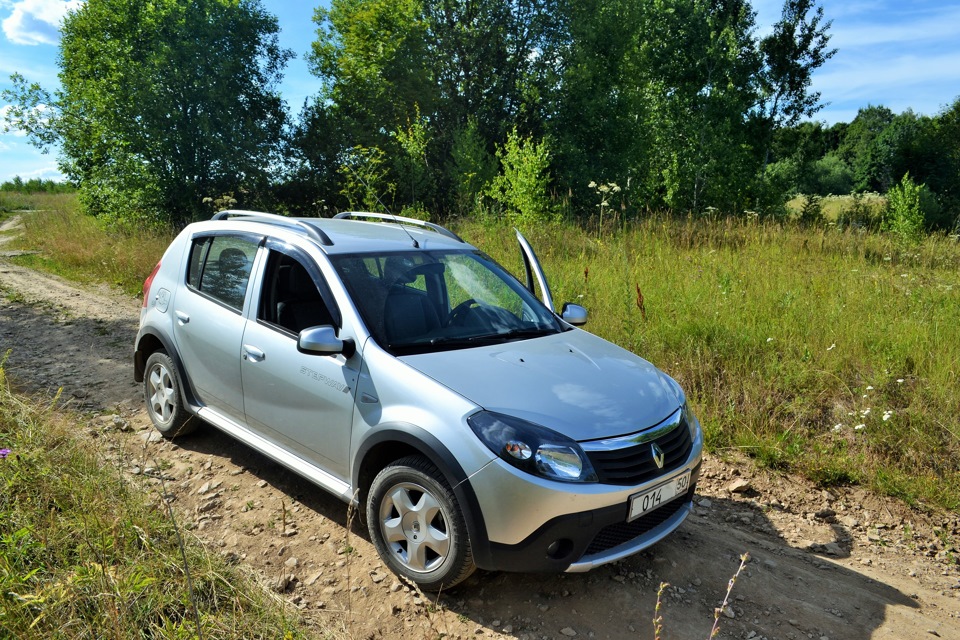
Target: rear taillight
{"x":147,"y":283}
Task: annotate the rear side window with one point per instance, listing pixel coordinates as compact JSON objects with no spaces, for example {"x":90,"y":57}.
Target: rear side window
{"x":220,"y":268}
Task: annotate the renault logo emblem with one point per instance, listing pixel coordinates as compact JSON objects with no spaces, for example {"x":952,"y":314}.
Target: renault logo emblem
{"x":658,"y":455}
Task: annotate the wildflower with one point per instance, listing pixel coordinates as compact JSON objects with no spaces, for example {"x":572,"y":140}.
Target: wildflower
{"x":869,"y":388}
{"x":887,"y":415}
{"x":640,"y":305}
{"x":837,"y":427}
{"x":4,"y":453}
{"x":859,"y":427}
{"x":769,"y":339}
{"x":899,"y":380}
{"x":865,"y":412}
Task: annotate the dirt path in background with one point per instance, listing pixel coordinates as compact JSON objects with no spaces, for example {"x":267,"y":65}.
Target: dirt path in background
{"x":824,"y":564}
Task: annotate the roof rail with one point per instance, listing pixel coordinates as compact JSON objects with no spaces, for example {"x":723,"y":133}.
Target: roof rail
{"x":389,"y":217}
{"x":311,"y":231}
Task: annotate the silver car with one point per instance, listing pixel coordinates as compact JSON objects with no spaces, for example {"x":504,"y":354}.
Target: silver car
{"x":403,"y":370}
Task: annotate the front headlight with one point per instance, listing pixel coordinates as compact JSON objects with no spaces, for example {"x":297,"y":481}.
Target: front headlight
{"x":692,"y":423}
{"x":532,"y":448}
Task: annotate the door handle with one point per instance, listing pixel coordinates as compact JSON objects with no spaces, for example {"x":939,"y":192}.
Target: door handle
{"x":182,"y":317}
{"x":252,"y":353}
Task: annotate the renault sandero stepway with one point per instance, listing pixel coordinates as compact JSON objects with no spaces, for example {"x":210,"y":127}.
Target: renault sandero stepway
{"x":403,"y":370}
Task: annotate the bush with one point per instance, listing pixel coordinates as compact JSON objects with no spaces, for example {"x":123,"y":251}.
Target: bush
{"x":811,"y":212}
{"x":521,"y":187}
{"x":904,"y":214}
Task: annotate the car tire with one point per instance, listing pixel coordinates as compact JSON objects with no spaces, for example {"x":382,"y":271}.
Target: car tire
{"x":164,"y":397}
{"x":416,"y":525}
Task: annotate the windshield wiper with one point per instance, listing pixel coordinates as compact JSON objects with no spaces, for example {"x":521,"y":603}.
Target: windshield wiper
{"x":533,"y":332}
{"x":493,"y":338}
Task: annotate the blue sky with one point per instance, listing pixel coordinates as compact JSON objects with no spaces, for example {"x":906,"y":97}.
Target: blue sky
{"x":903,"y":54}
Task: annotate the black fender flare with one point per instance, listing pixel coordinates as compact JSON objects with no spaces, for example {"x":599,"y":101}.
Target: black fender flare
{"x":140,"y":356}
{"x":428,"y":445}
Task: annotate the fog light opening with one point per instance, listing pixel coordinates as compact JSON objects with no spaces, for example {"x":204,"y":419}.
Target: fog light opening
{"x":558,"y":549}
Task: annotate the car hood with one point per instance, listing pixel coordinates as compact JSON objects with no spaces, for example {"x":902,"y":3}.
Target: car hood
{"x":572,"y":382}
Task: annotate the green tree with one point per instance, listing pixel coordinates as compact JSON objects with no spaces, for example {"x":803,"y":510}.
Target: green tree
{"x":472,"y":167}
{"x":165,"y":102}
{"x":797,"y":46}
{"x":677,"y":99}
{"x":860,"y":148}
{"x":413,"y":162}
{"x":388,"y":64}
{"x":943,"y":172}
{"x":366,"y":179}
{"x":372,"y":59}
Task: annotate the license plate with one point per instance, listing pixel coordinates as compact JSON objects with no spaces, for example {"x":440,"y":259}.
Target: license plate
{"x":652,"y":498}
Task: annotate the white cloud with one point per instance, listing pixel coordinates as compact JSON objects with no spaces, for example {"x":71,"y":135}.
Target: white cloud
{"x":34,"y":22}
{"x":920,"y":28}
{"x":864,"y":78}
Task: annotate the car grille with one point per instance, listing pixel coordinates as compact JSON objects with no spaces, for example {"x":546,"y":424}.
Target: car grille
{"x":633,"y":464}
{"x":621,"y":532}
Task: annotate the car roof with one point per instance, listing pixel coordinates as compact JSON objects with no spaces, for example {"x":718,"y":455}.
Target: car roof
{"x":358,"y":236}
{"x":354,"y":232}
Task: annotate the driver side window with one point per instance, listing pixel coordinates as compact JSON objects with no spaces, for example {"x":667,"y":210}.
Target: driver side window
{"x":290,"y":299}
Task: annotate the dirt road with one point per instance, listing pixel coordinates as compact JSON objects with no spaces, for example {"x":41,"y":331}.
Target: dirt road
{"x":824,"y":564}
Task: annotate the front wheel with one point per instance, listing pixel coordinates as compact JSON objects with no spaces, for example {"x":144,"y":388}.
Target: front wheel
{"x":161,"y":390}
{"x":416,"y":525}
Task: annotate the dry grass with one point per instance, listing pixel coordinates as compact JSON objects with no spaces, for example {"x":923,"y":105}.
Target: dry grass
{"x":80,"y":248}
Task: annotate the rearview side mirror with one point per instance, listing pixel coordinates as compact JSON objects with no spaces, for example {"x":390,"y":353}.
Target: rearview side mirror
{"x":574,"y":314}
{"x":323,"y":341}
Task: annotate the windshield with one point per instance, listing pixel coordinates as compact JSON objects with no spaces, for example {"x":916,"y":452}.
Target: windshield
{"x":414,"y":302}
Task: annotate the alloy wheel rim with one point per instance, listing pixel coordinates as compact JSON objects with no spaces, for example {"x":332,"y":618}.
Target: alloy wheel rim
{"x":414,"y":527}
{"x":162,"y":394}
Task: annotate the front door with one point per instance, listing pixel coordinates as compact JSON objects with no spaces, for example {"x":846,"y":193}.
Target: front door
{"x":304,"y":401}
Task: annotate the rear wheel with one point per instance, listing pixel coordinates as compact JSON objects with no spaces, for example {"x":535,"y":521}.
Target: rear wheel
{"x":416,"y":525}
{"x":161,"y":390}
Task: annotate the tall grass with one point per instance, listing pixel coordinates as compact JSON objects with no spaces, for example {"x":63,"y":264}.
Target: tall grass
{"x":11,"y":201}
{"x":832,"y":353}
{"x":81,"y":248}
{"x":83,"y":554}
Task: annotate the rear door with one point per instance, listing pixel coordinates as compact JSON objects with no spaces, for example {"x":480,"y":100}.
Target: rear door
{"x":209,"y":318}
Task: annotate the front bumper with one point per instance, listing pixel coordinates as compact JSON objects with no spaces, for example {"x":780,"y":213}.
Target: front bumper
{"x":581,"y":541}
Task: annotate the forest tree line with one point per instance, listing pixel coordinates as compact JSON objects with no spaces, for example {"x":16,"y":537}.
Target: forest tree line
{"x":525,"y":109}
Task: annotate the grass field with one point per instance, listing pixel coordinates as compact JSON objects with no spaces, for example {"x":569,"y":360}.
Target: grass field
{"x":75,"y":246}
{"x":832,"y":353}
{"x":833,"y":208}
